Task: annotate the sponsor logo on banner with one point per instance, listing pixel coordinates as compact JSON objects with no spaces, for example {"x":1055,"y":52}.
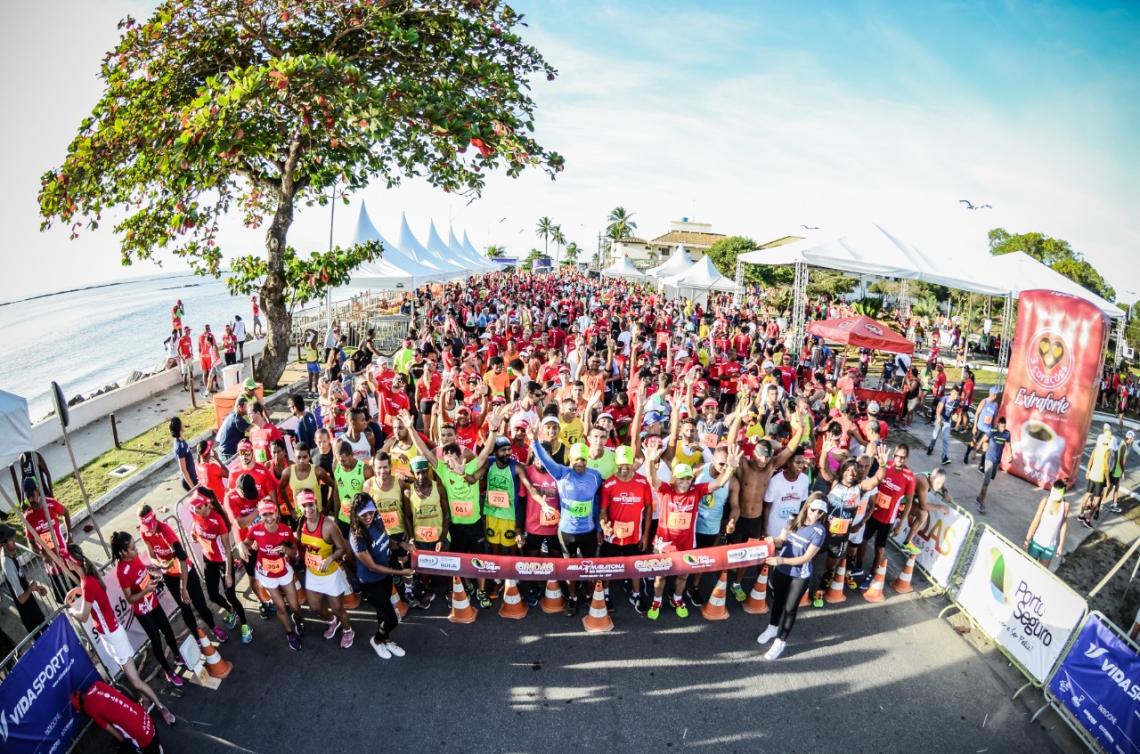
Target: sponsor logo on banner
{"x":596,"y":568}
{"x":1021,"y":605}
{"x":697,"y":560}
{"x":485,"y":566}
{"x":534,"y":568}
{"x":739,"y":554}
{"x":653,"y":565}
{"x":940,"y":543}
{"x":441,"y":562}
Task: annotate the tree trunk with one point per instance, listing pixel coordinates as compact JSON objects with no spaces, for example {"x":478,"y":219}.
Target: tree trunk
{"x":279,"y":322}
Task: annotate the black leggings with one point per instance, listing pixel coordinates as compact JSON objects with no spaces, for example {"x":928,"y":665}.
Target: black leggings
{"x":379,"y":595}
{"x":157,"y":627}
{"x":786,"y":593}
{"x":215,"y":576}
{"x":197,"y":599}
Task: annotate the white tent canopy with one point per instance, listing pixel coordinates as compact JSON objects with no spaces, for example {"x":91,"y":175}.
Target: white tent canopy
{"x":476,"y":263}
{"x":15,"y":428}
{"x":440,"y":252}
{"x":395,"y":269}
{"x":676,"y":264}
{"x":471,"y":248}
{"x":411,"y":246}
{"x":872,"y":250}
{"x":1021,"y":272}
{"x":701,"y":276}
{"x":623,"y":268}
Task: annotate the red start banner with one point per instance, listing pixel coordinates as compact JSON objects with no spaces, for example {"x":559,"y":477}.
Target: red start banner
{"x":589,"y":569}
{"x":1050,"y":393}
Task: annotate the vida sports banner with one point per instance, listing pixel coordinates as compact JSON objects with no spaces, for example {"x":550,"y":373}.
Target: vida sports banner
{"x":1099,"y":684}
{"x":589,"y":569}
{"x":941,"y":541}
{"x":1054,"y":374}
{"x":36,"y":716}
{"x":1024,"y":608}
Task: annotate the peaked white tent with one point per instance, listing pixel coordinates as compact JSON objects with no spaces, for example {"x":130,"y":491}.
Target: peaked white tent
{"x":474,"y":263}
{"x":439,"y":250}
{"x":411,"y":246}
{"x":1021,"y":272}
{"x":677,"y":264}
{"x":15,"y":428}
{"x":395,"y":269}
{"x":623,"y":268}
{"x":471,"y":248}
{"x":701,"y":277}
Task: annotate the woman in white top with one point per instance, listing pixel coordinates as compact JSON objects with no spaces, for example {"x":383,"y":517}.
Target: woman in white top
{"x":1045,"y":539}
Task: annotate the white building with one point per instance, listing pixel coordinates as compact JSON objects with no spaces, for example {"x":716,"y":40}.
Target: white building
{"x":695,"y":237}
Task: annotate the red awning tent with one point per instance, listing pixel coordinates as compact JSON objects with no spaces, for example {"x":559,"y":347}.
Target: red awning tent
{"x":861,"y":332}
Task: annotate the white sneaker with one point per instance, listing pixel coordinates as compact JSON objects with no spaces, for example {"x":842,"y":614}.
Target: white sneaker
{"x":776,"y":650}
{"x":769,"y":634}
{"x":381,"y":649}
{"x":395,"y":649}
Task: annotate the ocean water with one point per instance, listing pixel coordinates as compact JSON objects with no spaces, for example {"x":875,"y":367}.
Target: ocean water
{"x":85,"y":339}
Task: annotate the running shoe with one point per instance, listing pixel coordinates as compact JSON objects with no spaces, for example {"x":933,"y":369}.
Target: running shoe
{"x":220,"y":634}
{"x":263,"y":611}
{"x":679,"y":607}
{"x":167,"y":716}
{"x":482,"y":599}
{"x":866,"y":582}
{"x":423,"y":603}
{"x":1085,"y":522}
{"x":817,"y":599}
{"x":229,"y":620}
{"x":395,"y":649}
{"x":769,"y":634}
{"x":945,"y":461}
{"x":174,"y":679}
{"x":346,"y":638}
{"x":1115,"y":508}
{"x":851,"y":582}
{"x":571,"y":608}
{"x":381,"y":649}
{"x":246,"y":634}
{"x":493,"y":592}
{"x":654,"y":610}
{"x":930,"y":450}
{"x":334,"y":626}
{"x":609,"y":604}
{"x":695,"y":597}
{"x":981,"y":469}
{"x":775,"y":651}
{"x":739,"y":593}
{"x":294,"y":641}
{"x":299,"y":624}
{"x":532,"y":599}
{"x":635,"y":603}
{"x":910,"y":548}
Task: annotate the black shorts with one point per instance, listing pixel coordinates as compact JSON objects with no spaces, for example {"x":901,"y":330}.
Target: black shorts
{"x":877,"y":529}
{"x":534,"y":543}
{"x":1096,"y":489}
{"x":836,"y":546}
{"x":1112,"y":484}
{"x":747,"y":528}
{"x":610,"y":550}
{"x":572,"y":544}
{"x":467,"y":537}
{"x":707,"y":540}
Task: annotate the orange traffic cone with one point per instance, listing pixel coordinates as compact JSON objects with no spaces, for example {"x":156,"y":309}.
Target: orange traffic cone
{"x":350,"y":601}
{"x":834,"y":594}
{"x":805,"y":600}
{"x":716,"y":608}
{"x":398,"y":604}
{"x":461,"y":610}
{"x":902,"y":583}
{"x":215,"y":665}
{"x":598,"y":619}
{"x":757,"y":602}
{"x":875,"y":592}
{"x":513,"y":606}
{"x":552,"y":600}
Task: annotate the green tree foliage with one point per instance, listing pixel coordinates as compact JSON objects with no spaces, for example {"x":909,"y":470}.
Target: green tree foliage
{"x":620,"y":224}
{"x":494,"y":252}
{"x":528,"y":263}
{"x":1054,"y":252}
{"x":829,"y":283}
{"x":254,"y":106}
{"x":545,"y":230}
{"x":725,"y":252}
{"x":572,"y":252}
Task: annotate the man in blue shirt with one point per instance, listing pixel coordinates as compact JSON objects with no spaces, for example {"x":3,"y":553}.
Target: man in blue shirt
{"x":943,"y":412}
{"x":233,"y":429}
{"x":306,"y":430}
{"x":999,"y":437}
{"x":983,"y":423}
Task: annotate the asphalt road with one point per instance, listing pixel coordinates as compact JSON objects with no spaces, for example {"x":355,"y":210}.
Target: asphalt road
{"x":854,"y":678}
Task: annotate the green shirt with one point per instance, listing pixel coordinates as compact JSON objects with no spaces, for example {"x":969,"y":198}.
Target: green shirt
{"x":402,"y":361}
{"x":606,"y":465}
{"x":462,"y":497}
{"x":500,"y":483}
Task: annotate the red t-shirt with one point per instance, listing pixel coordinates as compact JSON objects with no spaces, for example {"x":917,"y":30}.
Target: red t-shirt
{"x":134,"y":577}
{"x":239,"y":507}
{"x":537,"y":522}
{"x":266,"y":482}
{"x":624,"y":504}
{"x":271,"y":548}
{"x":43,"y":527}
{"x":429,"y":387}
{"x":209,"y":530}
{"x":101,"y":612}
{"x":895,"y":486}
{"x":108,"y":708}
{"x":262,"y":438}
{"x":161,"y":543}
{"x":677,"y":512}
{"x":210,"y":475}
{"x":729,"y":373}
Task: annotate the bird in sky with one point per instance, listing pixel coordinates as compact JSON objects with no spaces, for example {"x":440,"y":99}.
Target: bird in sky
{"x":810,"y":227}
{"x":969,"y":205}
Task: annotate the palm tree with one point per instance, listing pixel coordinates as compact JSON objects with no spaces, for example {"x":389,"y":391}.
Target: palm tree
{"x":558,"y":238}
{"x":494,"y":252}
{"x":572,"y":253}
{"x":543,"y":230}
{"x":620,"y":224}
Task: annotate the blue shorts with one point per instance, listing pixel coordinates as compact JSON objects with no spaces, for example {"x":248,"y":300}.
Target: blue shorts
{"x":1041,"y":553}
{"x":313,"y":367}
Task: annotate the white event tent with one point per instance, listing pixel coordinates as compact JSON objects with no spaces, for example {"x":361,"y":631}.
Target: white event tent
{"x":476,"y":263}
{"x":1021,"y":272}
{"x":623,"y":268}
{"x":471,"y":248}
{"x":395,"y":269}
{"x":439,"y":251}
{"x":15,"y":437}
{"x":675,"y":265}
{"x":696,"y":282}
{"x":411,"y":246}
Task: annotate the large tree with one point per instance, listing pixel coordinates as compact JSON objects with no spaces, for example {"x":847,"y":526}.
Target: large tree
{"x":1054,"y":252}
{"x":620,"y":224}
{"x":544,"y":230}
{"x":725,"y":252}
{"x":257,"y":106}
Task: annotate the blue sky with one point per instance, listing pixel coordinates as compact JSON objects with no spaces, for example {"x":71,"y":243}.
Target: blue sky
{"x":755,"y":117}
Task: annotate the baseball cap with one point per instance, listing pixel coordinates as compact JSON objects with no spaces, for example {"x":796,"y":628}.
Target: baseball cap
{"x":267,"y":506}
{"x":419,"y":463}
{"x":683,"y":471}
{"x":819,"y":504}
{"x":768,"y":364}
{"x":368,"y":507}
{"x":551,"y":420}
{"x":244,"y":445}
{"x":463,"y":410}
{"x":249,"y":384}
{"x":707,"y":402}
{"x":605,"y":415}
{"x":518,"y":421}
{"x":579,"y":450}
{"x":1129,"y":435}
{"x":306,"y":496}
{"x":502,"y":442}
{"x":624,"y":455}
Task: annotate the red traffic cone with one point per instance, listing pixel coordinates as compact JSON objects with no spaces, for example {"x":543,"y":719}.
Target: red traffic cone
{"x":398,"y":604}
{"x":902,"y":584}
{"x":215,"y":665}
{"x":552,"y":599}
{"x":835,"y":595}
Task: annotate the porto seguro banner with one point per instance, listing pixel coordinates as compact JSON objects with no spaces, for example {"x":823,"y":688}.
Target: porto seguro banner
{"x":36,"y":716}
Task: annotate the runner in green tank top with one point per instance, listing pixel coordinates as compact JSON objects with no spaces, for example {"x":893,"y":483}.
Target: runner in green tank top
{"x":349,"y":475}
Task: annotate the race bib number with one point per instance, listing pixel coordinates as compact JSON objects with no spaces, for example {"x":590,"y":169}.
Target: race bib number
{"x":838,"y":526}
{"x":313,"y":561}
{"x":391,"y":520}
{"x":579,"y":508}
{"x":427,"y":533}
{"x":47,"y":539}
{"x":883,"y":501}
{"x":275,"y":565}
{"x":498,"y":499}
{"x":623,"y":529}
{"x":548,"y":516}
{"x":462,"y":508}
{"x":678,"y":521}
{"x":709,"y":440}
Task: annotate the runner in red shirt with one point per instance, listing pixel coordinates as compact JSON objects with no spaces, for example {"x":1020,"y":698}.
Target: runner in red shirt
{"x":626,"y":513}
{"x":49,"y":536}
{"x":124,"y":719}
{"x":212,"y":532}
{"x":895,"y":490}
{"x":677,"y":503}
{"x":241,"y":507}
{"x":274,"y":546}
{"x":211,"y":472}
{"x":246,"y":465}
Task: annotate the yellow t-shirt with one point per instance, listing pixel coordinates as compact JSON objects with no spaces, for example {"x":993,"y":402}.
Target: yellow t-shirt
{"x":572,"y":431}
